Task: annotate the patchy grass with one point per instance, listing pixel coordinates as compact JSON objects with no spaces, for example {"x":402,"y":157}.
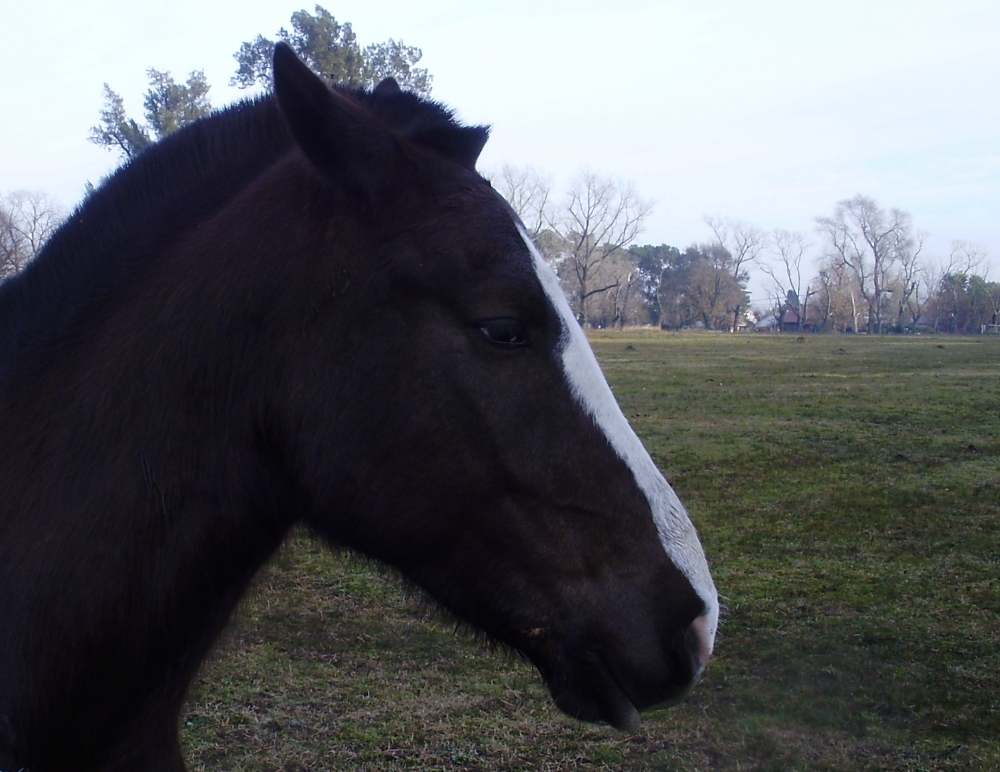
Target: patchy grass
{"x":847,"y":492}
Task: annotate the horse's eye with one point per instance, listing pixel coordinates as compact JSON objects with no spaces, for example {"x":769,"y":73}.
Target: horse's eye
{"x":504,"y":332}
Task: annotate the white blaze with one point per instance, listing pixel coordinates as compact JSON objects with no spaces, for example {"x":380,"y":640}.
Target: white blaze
{"x":587,"y":382}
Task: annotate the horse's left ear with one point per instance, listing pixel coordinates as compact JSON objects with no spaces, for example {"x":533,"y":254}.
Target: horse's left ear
{"x":339,"y":137}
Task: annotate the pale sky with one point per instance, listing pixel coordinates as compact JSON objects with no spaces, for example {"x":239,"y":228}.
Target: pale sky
{"x":763,"y":111}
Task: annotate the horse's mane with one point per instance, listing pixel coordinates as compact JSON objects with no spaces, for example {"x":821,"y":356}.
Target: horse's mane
{"x":149,"y":202}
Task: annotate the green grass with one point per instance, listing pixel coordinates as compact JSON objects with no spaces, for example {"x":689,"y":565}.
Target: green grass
{"x":847,"y":492}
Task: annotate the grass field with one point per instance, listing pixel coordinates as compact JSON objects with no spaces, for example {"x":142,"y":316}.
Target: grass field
{"x":847,"y":493}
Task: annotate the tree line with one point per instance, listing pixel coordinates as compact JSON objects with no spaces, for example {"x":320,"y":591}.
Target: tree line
{"x":873,"y":274}
{"x":864,"y":269}
{"x":589,"y":239}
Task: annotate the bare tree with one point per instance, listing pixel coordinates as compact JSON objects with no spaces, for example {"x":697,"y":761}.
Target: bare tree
{"x":906,"y":292}
{"x":826,"y":282}
{"x":913,"y":303}
{"x":27,"y":220}
{"x":964,"y":257}
{"x":628,"y":281}
{"x":744,"y":242}
{"x":585,"y":239}
{"x":601,"y":216}
{"x":788,"y":250}
{"x":870,"y":242}
{"x":527,"y":191}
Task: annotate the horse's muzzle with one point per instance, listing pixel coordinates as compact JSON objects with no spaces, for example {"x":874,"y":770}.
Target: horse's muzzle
{"x":614,"y":684}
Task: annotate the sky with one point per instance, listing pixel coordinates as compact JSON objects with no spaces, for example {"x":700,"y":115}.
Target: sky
{"x":763,"y":111}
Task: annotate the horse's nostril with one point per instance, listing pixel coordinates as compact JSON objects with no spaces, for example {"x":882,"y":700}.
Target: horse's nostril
{"x":699,"y":643}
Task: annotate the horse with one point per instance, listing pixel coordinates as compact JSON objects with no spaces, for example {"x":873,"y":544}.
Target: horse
{"x":310,"y":309}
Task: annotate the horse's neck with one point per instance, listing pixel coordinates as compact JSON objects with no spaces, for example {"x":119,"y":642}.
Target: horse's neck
{"x":154,"y":518}
{"x":153,"y":580}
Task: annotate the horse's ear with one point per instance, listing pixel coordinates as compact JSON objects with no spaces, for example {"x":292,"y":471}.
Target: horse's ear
{"x":387,"y":86}
{"x":462,"y":144}
{"x":340,"y":138}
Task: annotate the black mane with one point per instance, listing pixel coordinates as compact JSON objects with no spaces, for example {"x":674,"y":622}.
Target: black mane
{"x":149,"y":202}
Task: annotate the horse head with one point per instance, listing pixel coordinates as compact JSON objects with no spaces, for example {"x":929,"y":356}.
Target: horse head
{"x":439,"y":408}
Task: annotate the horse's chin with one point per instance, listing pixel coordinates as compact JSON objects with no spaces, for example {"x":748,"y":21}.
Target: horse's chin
{"x":588,"y":690}
{"x":592,"y":693}
{"x":615,"y":705}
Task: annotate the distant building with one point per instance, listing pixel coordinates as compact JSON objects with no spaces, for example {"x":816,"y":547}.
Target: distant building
{"x":771,"y":323}
{"x":768,"y":324}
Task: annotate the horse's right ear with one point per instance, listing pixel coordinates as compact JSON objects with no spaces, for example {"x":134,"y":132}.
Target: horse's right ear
{"x":339,"y":137}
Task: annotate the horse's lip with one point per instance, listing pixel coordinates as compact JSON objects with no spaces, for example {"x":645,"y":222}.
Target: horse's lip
{"x":615,"y":705}
{"x":585,"y":683}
